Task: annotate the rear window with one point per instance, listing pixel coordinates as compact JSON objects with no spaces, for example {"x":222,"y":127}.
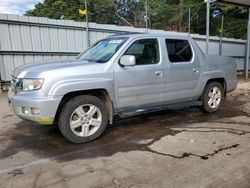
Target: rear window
{"x":179,"y":50}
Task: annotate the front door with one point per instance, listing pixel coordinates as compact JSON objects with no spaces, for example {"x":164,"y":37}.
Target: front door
{"x":140,"y":86}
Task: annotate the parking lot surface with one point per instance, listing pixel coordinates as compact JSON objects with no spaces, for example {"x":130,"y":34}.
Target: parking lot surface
{"x":174,"y":148}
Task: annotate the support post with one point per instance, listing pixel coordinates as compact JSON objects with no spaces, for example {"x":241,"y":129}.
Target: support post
{"x":207,"y":26}
{"x":221,"y":34}
{"x":248,"y":47}
{"x":87,"y":24}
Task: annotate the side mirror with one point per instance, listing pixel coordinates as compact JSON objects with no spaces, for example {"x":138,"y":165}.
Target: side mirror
{"x":128,"y":60}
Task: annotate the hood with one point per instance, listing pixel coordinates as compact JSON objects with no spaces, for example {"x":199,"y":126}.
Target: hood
{"x":33,"y":69}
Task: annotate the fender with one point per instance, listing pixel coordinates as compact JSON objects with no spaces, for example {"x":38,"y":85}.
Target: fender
{"x":206,"y":76}
{"x":62,"y":87}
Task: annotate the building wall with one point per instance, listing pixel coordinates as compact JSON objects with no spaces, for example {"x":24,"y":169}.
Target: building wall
{"x":33,"y":39}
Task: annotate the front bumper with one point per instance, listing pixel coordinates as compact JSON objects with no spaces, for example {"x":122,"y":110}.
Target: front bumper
{"x":45,"y":107}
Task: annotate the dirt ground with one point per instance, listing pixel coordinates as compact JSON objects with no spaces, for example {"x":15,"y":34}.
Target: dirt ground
{"x":174,"y":148}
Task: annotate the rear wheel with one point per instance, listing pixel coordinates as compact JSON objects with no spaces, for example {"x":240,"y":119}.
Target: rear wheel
{"x":212,"y":97}
{"x":83,"y":118}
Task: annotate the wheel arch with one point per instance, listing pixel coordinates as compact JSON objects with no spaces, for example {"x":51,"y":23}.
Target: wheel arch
{"x":100,"y":93}
{"x":220,"y":80}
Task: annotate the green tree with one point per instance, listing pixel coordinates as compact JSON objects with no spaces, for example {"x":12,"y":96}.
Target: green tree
{"x":56,"y":9}
{"x":163,"y":14}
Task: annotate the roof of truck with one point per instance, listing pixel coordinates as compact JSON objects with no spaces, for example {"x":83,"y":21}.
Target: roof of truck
{"x":139,"y":35}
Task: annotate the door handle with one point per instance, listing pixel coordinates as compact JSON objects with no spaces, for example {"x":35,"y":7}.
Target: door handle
{"x":158,"y":73}
{"x":195,"y":70}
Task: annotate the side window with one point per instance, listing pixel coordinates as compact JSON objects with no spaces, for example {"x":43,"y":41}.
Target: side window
{"x":179,"y":50}
{"x":146,"y":51}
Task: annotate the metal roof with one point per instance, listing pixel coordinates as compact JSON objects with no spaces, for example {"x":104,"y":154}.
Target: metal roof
{"x":245,"y":3}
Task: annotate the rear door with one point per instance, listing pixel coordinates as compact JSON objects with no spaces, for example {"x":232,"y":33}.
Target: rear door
{"x":140,"y":86}
{"x":183,"y":72}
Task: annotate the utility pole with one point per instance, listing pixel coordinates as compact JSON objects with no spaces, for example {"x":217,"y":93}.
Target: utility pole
{"x":189,"y":21}
{"x":87,"y":24}
{"x":208,"y":24}
{"x":146,"y":16}
{"x":181,"y":14}
{"x":248,"y":47}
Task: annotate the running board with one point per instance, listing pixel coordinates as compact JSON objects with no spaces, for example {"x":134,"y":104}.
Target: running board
{"x":160,"y":108}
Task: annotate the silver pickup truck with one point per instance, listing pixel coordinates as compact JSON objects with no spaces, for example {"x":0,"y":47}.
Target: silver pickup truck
{"x":120,"y":76}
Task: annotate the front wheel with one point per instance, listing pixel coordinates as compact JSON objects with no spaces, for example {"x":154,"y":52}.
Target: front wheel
{"x":212,"y":97}
{"x":83,"y":118}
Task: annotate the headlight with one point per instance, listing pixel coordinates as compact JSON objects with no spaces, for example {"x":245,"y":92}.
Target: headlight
{"x":31,"y":84}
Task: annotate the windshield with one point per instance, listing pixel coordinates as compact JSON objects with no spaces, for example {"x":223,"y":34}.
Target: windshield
{"x":103,"y":50}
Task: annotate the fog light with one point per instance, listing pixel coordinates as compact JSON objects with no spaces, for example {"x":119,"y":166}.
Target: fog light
{"x":25,"y":110}
{"x":35,"y":111}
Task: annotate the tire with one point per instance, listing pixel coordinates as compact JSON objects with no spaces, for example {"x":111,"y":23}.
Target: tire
{"x":212,"y":97}
{"x":83,"y":118}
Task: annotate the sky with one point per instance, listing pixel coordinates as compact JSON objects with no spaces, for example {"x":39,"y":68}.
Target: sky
{"x":17,"y":6}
